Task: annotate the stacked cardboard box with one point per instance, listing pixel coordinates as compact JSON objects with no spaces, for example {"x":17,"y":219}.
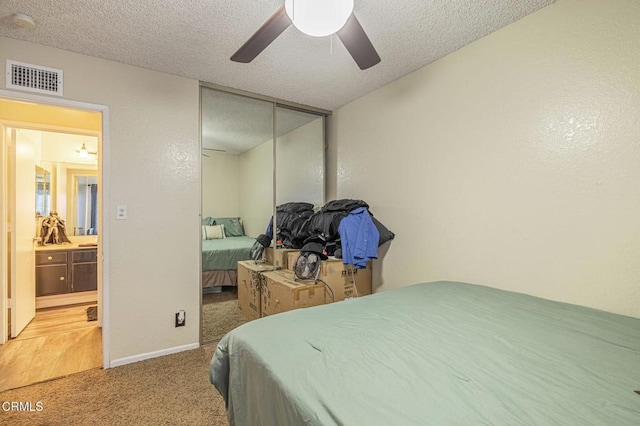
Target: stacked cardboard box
{"x":280,"y":293}
{"x":344,"y":280}
{"x":263,"y":291}
{"x":250,"y":287}
{"x":279,"y":258}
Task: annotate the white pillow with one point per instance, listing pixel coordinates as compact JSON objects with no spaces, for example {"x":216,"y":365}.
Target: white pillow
{"x":215,"y":232}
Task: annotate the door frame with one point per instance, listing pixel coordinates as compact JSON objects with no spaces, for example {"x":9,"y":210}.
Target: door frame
{"x":4,"y":229}
{"x":104,"y":207}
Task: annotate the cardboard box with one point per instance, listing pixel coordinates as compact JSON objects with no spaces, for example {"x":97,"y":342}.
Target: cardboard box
{"x":250,"y":286}
{"x":341,"y":278}
{"x":281,"y":293}
{"x":345,"y":280}
{"x":292,"y":257}
{"x":280,"y":256}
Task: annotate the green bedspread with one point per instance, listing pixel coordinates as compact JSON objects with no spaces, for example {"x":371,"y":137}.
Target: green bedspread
{"x":223,"y":254}
{"x":433,"y":354}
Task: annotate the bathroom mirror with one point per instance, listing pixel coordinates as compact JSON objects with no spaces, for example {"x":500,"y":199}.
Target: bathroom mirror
{"x":82,"y":207}
{"x":65,"y":177}
{"x":43,"y":192}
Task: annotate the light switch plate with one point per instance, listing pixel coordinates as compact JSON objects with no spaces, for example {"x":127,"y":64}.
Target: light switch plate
{"x":121,"y":212}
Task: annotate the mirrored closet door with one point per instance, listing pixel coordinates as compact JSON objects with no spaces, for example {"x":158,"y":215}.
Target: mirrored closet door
{"x":300,"y":170}
{"x":237,"y":198}
{"x":256,"y":154}
{"x":299,"y":157}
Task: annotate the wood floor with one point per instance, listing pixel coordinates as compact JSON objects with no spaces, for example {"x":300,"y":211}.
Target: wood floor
{"x":57,"y":320}
{"x":57,"y":342}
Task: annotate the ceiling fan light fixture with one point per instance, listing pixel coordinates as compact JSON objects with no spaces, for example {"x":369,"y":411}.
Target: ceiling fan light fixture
{"x":319,"y":18}
{"x":84,"y":153}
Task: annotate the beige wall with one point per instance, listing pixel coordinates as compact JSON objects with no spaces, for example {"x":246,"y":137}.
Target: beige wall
{"x":220,"y":185}
{"x":153,"y":169}
{"x":256,"y":188}
{"x":300,"y":164}
{"x":300,"y":176}
{"x":513,"y":162}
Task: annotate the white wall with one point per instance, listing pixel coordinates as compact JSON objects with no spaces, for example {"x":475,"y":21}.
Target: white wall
{"x":220,"y":185}
{"x":513,"y":162}
{"x":300,"y":164}
{"x":256,"y":188}
{"x":154,"y":255}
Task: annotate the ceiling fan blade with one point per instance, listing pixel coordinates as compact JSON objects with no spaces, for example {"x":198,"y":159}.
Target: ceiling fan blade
{"x":262,"y":38}
{"x":354,"y":38}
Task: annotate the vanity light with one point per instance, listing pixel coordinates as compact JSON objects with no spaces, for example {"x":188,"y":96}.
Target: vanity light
{"x":318,"y":18}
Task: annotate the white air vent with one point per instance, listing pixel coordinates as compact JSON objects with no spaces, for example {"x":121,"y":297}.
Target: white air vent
{"x":34,"y":78}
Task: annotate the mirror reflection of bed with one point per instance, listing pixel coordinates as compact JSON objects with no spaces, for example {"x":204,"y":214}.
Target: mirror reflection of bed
{"x":224,"y":244}
{"x":238,"y":160}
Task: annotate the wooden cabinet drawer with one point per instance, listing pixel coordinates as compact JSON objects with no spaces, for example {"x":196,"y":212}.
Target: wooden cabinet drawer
{"x":81,"y":256}
{"x":51,"y":257}
{"x":84,"y":276}
{"x":51,"y":280}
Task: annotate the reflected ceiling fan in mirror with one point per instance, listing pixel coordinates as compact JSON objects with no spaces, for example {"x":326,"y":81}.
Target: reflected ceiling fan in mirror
{"x":212,"y":149}
{"x":316,"y":18}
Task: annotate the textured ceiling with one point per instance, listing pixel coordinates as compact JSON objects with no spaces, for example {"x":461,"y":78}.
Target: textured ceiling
{"x":234,"y":124}
{"x":195,"y":38}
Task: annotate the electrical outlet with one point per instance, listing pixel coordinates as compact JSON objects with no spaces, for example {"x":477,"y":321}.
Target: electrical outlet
{"x":181,"y":318}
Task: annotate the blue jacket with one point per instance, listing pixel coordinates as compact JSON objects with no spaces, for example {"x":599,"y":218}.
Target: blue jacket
{"x":359,"y":238}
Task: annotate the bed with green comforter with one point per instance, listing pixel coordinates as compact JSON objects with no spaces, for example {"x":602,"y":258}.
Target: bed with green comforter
{"x":433,"y":354}
{"x":224,"y":254}
{"x":220,"y":259}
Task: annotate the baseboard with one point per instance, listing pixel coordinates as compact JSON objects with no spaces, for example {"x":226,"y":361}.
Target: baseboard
{"x":66,"y":299}
{"x":135,"y":358}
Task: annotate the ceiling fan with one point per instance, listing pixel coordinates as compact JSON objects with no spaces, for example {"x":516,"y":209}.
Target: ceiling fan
{"x":84,"y":152}
{"x":317,"y":18}
{"x":212,"y":149}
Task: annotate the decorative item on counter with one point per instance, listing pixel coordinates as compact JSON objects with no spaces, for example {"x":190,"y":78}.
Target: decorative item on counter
{"x":53,"y":230}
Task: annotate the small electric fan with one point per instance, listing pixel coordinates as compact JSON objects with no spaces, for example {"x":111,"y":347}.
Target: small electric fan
{"x":308,"y":266}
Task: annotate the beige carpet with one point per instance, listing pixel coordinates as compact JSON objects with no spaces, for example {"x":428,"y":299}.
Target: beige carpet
{"x":220,"y":314}
{"x":172,"y":389}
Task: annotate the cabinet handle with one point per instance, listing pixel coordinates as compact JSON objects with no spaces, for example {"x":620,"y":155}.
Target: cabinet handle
{"x":49,"y":257}
{"x":61,"y":278}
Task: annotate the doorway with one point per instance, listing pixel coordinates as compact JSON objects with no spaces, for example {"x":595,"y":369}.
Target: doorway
{"x":52,"y":288}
